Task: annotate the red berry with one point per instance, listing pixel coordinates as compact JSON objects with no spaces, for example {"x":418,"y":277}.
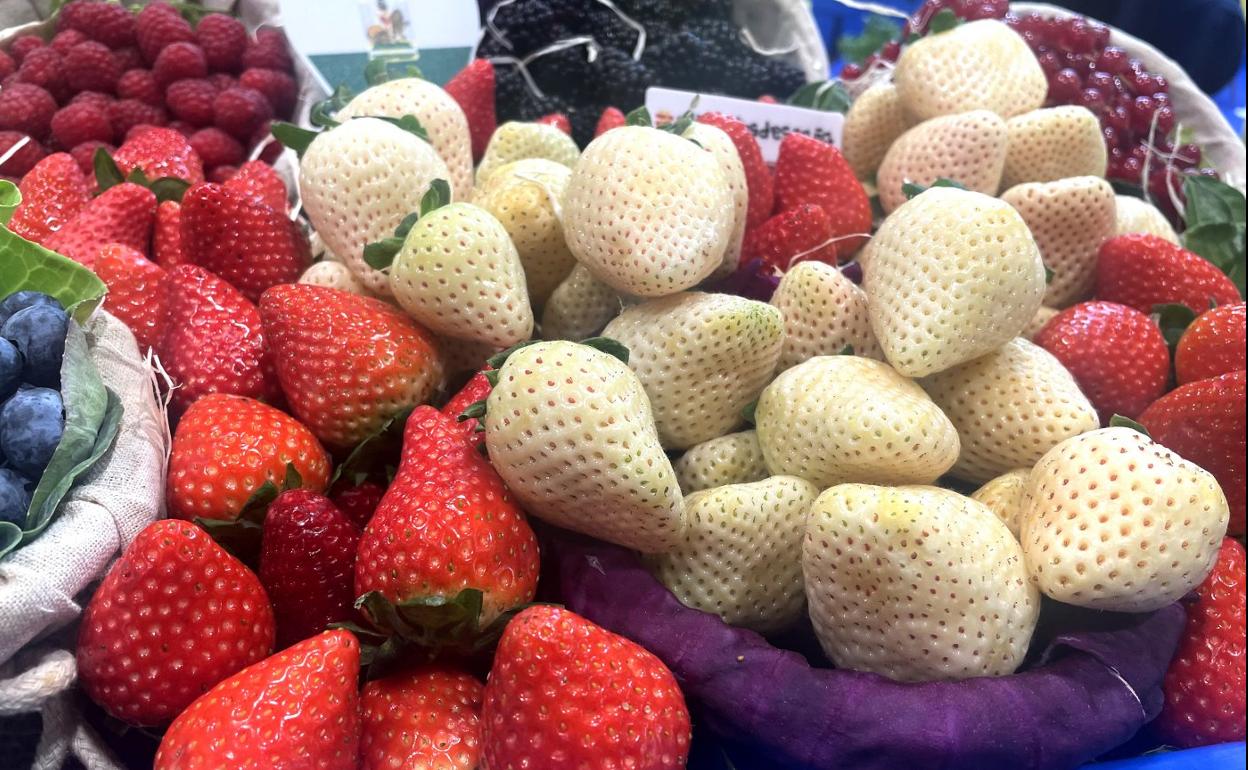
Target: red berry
{"x":63,"y":41}
{"x":159,"y":25}
{"x":125,"y":114}
{"x":45,"y":68}
{"x":23,"y":45}
{"x":359,"y":502}
{"x":851,"y":71}
{"x":74,"y":124}
{"x":268,"y":51}
{"x":140,"y":84}
{"x":221,"y":174}
{"x":221,"y":81}
{"x":216,"y":148}
{"x":7,"y":65}
{"x":277,"y":87}
{"x":108,"y":23}
{"x":891,"y":50}
{"x":178,"y":62}
{"x":1112,"y":60}
{"x":224,"y":39}
{"x":129,"y":58}
{"x":24,"y":159}
{"x":239,"y":111}
{"x":91,"y":66}
{"x":1092,"y":99}
{"x":182,"y":127}
{"x":1064,"y":87}
{"x":191,"y":101}
{"x":1050,"y":62}
{"x":94,"y":98}
{"x":26,"y":108}
{"x":84,"y":155}
{"x":1144,"y":271}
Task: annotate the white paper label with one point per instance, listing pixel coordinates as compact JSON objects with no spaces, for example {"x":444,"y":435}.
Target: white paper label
{"x":769,"y":122}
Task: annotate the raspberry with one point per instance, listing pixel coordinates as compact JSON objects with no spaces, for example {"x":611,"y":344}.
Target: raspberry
{"x":191,"y":101}
{"x":272,"y":148}
{"x":268,"y":51}
{"x":125,"y":114}
{"x":278,"y":87}
{"x":178,"y":62}
{"x":222,"y":81}
{"x":26,"y":108}
{"x":84,"y":155}
{"x":92,"y":97}
{"x":221,"y":174}
{"x":182,"y":127}
{"x":140,"y":84}
{"x":158,"y":26}
{"x":23,"y":45}
{"x":224,"y":39}
{"x":17,"y":164}
{"x":239,"y":111}
{"x":7,"y":65}
{"x":45,"y":68}
{"x":129,"y":58}
{"x":74,"y":124}
{"x":90,"y":66}
{"x":63,"y":41}
{"x":110,"y":24}
{"x":69,"y":17}
{"x":216,"y":148}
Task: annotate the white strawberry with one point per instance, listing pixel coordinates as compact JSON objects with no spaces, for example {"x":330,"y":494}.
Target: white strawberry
{"x":358,"y":182}
{"x":335,"y":275}
{"x":438,"y":113}
{"x":1117,"y":522}
{"x":968,"y":148}
{"x":525,"y":197}
{"x":515,"y":141}
{"x":1136,"y":215}
{"x":837,"y":419}
{"x":648,"y":212}
{"x":1070,"y":219}
{"x":741,"y":557}
{"x":465,"y":356}
{"x":1010,"y":407}
{"x":1037,"y":322}
{"x":1054,"y":143}
{"x":459,"y":275}
{"x":950,"y":276}
{"x":875,"y":120}
{"x":569,"y":429}
{"x":579,"y":307}
{"x":1006,"y":496}
{"x":721,"y":146}
{"x":702,"y":359}
{"x":733,"y":459}
{"x":824,"y":313}
{"x":982,"y":65}
{"x":916,"y":584}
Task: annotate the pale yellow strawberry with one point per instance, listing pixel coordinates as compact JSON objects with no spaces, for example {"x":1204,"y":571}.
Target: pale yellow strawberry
{"x":515,"y":141}
{"x":1054,"y":143}
{"x":358,"y":182}
{"x":1037,"y":322}
{"x":968,"y":148}
{"x":648,"y":212}
{"x":439,"y":115}
{"x":702,"y":359}
{"x":1070,"y":219}
{"x":982,"y":65}
{"x":459,"y":275}
{"x":1136,"y":215}
{"x":838,"y":419}
{"x":1117,"y":522}
{"x":824,"y":313}
{"x":875,"y":120}
{"x":335,"y":275}
{"x":733,"y":459}
{"x":720,"y":145}
{"x":569,"y":429}
{"x":741,"y":557}
{"x":916,"y":584}
{"x":525,"y":197}
{"x":950,"y":276}
{"x":1006,"y":496}
{"x":1010,"y":407}
{"x":579,"y":307}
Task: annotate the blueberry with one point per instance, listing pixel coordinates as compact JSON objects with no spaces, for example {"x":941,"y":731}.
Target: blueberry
{"x":14,"y":498}
{"x":31,"y":423}
{"x":20,"y":300}
{"x":10,"y":368}
{"x":39,"y":333}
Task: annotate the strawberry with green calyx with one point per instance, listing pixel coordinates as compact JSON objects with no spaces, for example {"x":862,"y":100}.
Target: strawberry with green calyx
{"x":1214,"y":215}
{"x":476,"y":390}
{"x":160,"y":153}
{"x":242,"y":535}
{"x":1212,"y":345}
{"x":122,"y":214}
{"x":1145,"y":271}
{"x":969,"y":147}
{"x":109,"y":174}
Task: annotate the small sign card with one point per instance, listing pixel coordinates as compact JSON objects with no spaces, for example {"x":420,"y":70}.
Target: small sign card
{"x":769,"y":122}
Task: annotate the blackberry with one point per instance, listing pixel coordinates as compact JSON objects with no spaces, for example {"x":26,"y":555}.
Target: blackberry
{"x":533,"y":107}
{"x":510,"y":91}
{"x":712,"y":9}
{"x":528,"y":25}
{"x":567,"y":72}
{"x":669,"y":12}
{"x":491,"y":46}
{"x":620,"y":80}
{"x":722,"y":35}
{"x":584,"y":120}
{"x":682,"y":60}
{"x":783,"y":78}
{"x":607,"y":28}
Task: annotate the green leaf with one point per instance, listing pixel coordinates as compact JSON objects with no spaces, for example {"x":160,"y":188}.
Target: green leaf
{"x":409,"y":123}
{"x":294,"y":137}
{"x":639,"y":117}
{"x":1211,"y":200}
{"x":92,"y":420}
{"x":437,"y":196}
{"x":747,"y":413}
{"x":376,"y":72}
{"x":1174,"y":320}
{"x":609,"y":346}
{"x":910,"y":189}
{"x":380,"y":255}
{"x":829,"y":96}
{"x":1048,"y":275}
{"x":848,"y":350}
{"x":169,"y":188}
{"x":107,"y":174}
{"x":375,"y":450}
{"x":491,"y":376}
{"x":496,"y":361}
{"x":10,"y":199}
{"x":876,"y":31}
{"x":1118,"y":421}
{"x":474,"y":411}
{"x":1215,"y":225}
{"x":28,"y":265}
{"x":944,"y":20}
{"x":242,"y":535}
{"x":382,"y":68}
{"x":323,"y":112}
{"x":409,"y":221}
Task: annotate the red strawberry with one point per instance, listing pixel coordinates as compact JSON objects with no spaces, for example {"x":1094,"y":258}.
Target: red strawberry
{"x":160,"y":152}
{"x":226,"y":447}
{"x":7,"y":65}
{"x":44,"y":67}
{"x":317,"y":334}
{"x":296,"y":709}
{"x":259,"y":181}
{"x":223,"y":39}
{"x":757,"y":176}
{"x":141,"y":85}
{"x":26,"y":109}
{"x":84,"y":155}
{"x":216,"y":148}
{"x":268,"y":51}
{"x":67,"y":39}
{"x":307,"y":560}
{"x":158,"y":25}
{"x":617,"y":704}
{"x":360,"y":502}
{"x":74,"y":124}
{"x":174,"y":616}
{"x":179,"y":61}
{"x":477,"y":389}
{"x":127,"y":114}
{"x":167,"y":237}
{"x":447,"y":524}
{"x":1116,"y":354}
{"x":1204,"y":686}
{"x":23,"y":45}
{"x":558,"y":120}
{"x":109,"y":23}
{"x":810,"y":171}
{"x":428,"y":718}
{"x":191,"y":101}
{"x":768,"y":99}
{"x":90,"y":66}
{"x":245,"y":242}
{"x":53,"y":192}
{"x":799,"y":234}
{"x":473,"y":89}
{"x":213,"y":342}
{"x":19,"y":162}
{"x":121,"y":214}
{"x":239,"y":111}
{"x":1145,"y":271}
{"x":1203,"y":421}
{"x":1212,"y":345}
{"x":612,"y":117}
{"x":136,"y":291}
{"x":278,"y":88}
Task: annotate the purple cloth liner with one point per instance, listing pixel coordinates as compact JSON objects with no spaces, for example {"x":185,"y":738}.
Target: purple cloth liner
{"x":771,"y":705}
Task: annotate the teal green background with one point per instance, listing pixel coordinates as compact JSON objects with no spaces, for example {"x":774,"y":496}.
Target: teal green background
{"x":436,"y":64}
